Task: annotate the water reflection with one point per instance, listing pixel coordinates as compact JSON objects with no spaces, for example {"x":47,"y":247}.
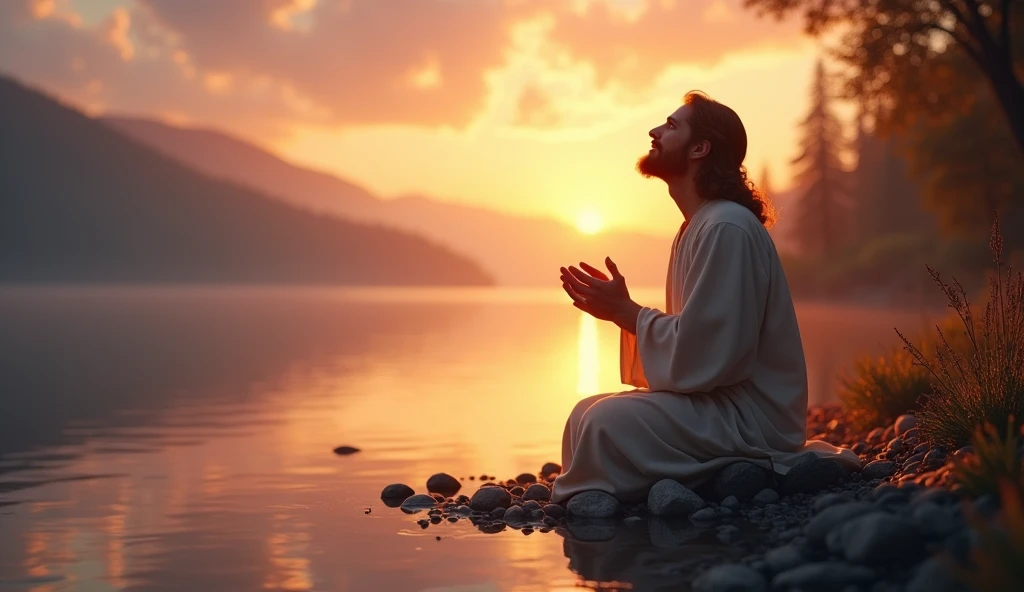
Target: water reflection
{"x":181,"y":439}
{"x":589,"y":363}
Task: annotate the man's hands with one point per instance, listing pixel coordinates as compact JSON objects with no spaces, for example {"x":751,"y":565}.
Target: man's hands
{"x":595,"y":293}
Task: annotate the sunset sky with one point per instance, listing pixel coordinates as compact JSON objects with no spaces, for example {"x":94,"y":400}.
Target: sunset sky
{"x":536,"y":107}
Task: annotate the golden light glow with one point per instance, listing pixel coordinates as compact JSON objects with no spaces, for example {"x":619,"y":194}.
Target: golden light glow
{"x":588,"y":359}
{"x":589,"y":222}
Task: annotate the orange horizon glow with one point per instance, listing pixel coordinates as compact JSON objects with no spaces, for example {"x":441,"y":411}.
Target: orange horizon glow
{"x":545,"y":117}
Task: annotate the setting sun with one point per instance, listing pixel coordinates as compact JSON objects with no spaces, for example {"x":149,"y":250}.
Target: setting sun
{"x":590,"y":222}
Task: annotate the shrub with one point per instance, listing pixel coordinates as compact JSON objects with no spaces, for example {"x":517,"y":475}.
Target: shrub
{"x":986,"y":384}
{"x":997,"y":560}
{"x":994,"y":462}
{"x":878,"y":390}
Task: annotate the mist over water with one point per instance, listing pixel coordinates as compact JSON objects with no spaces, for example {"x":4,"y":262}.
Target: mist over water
{"x":181,"y":438}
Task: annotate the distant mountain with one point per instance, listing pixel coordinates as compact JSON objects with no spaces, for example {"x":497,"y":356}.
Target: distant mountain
{"x":516,"y":250}
{"x":80,"y":202}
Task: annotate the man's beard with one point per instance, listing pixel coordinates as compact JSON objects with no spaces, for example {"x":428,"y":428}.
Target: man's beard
{"x":663,"y":164}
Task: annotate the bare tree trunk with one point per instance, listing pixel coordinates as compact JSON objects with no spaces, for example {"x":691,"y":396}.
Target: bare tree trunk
{"x":1010,"y":93}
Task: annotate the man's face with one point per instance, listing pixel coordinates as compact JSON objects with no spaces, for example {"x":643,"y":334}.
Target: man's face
{"x":668,"y":156}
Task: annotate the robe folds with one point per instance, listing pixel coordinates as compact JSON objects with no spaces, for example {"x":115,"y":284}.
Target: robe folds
{"x":720,"y":375}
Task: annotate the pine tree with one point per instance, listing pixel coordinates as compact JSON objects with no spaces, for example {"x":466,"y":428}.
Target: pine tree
{"x":822,"y":213}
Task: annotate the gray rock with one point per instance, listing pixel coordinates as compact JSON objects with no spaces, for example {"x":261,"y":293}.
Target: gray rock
{"x":397,"y":492}
{"x":526,"y":478}
{"x":876,"y":538}
{"x":537,"y":492}
{"x":444,"y":484}
{"x":514,"y":515}
{"x":723,"y":512}
{"x":740,"y":479}
{"x":933,"y":495}
{"x":879,"y":469}
{"x":554,"y":510}
{"x":935,"y":522}
{"x":829,"y":518}
{"x":812,"y":474}
{"x":733,"y":577}
{"x":731,"y":502}
{"x":498,"y":512}
{"x":765,"y":497}
{"x":670,"y":498}
{"x":531,"y":505}
{"x":904,"y":424}
{"x":826,"y":576}
{"x":489,"y":498}
{"x":784,"y":558}
{"x":828,"y":500}
{"x":705,"y":515}
{"x":551,"y":467}
{"x":418,"y":502}
{"x":932,"y":576}
{"x":593,"y":504}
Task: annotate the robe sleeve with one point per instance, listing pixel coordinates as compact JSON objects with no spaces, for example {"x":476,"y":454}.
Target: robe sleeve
{"x":712,"y":342}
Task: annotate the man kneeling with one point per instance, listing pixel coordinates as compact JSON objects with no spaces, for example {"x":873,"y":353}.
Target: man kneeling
{"x":720,"y":375}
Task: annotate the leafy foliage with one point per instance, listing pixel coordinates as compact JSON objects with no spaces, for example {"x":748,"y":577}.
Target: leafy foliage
{"x":985,"y":385}
{"x":994,"y":461}
{"x":997,"y":560}
{"x":879,"y":390}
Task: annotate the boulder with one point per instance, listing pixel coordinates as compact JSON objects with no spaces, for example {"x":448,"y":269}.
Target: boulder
{"x":396,"y":492}
{"x":765,"y":497}
{"x":418,"y":502}
{"x":829,"y":518}
{"x":551,"y":467}
{"x":537,"y":492}
{"x":740,"y":479}
{"x":670,"y":498}
{"x":879,"y":469}
{"x":487,"y":499}
{"x":444,"y":484}
{"x":812,"y":474}
{"x":877,"y":538}
{"x":593,"y":504}
{"x":904,"y":423}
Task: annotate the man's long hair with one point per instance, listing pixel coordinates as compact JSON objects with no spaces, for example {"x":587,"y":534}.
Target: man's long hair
{"x":722,"y":174}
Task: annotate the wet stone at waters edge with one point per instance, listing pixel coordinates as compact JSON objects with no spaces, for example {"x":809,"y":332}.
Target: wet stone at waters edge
{"x":486,"y":499}
{"x":444,"y":484}
{"x":537,"y":492}
{"x":551,"y":467}
{"x":731,"y":577}
{"x":525,"y":479}
{"x":346,"y":450}
{"x":670,"y":498}
{"x":396,"y":493}
{"x":593,"y":504}
{"x":740,"y":479}
{"x":418,"y":502}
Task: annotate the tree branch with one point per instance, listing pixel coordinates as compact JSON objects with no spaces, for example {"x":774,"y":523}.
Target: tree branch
{"x":964,"y":43}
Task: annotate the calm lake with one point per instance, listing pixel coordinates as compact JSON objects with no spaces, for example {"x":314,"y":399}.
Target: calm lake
{"x":181,"y":439}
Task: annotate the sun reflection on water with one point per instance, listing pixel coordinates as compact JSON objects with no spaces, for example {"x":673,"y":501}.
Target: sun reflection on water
{"x":588,"y":357}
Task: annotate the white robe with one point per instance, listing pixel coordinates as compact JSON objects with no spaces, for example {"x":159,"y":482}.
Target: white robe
{"x":721,"y":374}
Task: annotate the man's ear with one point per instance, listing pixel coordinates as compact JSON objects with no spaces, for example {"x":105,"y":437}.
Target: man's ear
{"x":700,"y":149}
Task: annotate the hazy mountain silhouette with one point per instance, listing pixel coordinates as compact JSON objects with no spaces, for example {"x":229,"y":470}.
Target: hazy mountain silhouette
{"x":515,"y":250}
{"x":80,"y":202}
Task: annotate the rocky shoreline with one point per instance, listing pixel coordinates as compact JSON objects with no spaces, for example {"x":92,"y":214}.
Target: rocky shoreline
{"x":897,"y":525}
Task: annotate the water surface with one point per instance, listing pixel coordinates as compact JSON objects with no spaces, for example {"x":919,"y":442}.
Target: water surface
{"x":181,"y":438}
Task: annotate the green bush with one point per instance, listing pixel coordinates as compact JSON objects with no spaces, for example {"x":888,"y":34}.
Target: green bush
{"x":993,"y":462}
{"x":997,"y":560}
{"x":979,"y":381}
{"x":878,"y":390}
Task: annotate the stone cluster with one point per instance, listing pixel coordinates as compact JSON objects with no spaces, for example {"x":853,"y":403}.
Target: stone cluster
{"x":885,"y":528}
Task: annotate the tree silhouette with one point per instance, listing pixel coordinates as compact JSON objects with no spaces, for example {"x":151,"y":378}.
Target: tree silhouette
{"x":890,"y":42}
{"x":823,"y":209}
